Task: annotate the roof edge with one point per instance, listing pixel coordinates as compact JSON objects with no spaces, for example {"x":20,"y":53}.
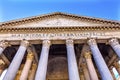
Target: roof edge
{"x":59,"y":13}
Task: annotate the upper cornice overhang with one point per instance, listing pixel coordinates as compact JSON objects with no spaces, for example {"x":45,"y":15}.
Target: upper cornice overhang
{"x":55,"y":29}
{"x":41,"y":17}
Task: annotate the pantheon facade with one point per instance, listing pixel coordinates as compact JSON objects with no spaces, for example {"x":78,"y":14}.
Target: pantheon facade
{"x":59,"y":46}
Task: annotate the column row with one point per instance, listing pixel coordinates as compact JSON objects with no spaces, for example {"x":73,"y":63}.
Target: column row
{"x":42,"y":66}
{"x":72,"y":64}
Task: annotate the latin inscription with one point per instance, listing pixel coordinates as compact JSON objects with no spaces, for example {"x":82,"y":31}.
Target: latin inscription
{"x":60,"y":35}
{"x":57,"y":35}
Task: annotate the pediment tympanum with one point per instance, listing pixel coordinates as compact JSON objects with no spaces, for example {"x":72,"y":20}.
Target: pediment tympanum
{"x":58,"y":20}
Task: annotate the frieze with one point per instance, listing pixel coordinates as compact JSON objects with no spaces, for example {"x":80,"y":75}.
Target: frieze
{"x":56,"y":35}
{"x":60,"y":35}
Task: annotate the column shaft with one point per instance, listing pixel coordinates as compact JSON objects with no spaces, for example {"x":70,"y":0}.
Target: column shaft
{"x":117,"y":66}
{"x":2,"y":66}
{"x":33,"y":71}
{"x":82,"y":77}
{"x":85,"y":71}
{"x":17,"y":77}
{"x":42,"y":66}
{"x":90,"y":66}
{"x":14,"y":66}
{"x":72,"y":64}
{"x":2,"y":75}
{"x":112,"y":73}
{"x":101,"y":65}
{"x":27,"y":66}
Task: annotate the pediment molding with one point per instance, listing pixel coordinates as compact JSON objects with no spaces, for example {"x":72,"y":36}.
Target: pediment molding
{"x":59,"y":15}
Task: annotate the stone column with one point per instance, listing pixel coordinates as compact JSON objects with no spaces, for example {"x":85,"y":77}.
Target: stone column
{"x":72,"y":64}
{"x":85,"y":71}
{"x":2,"y":66}
{"x":42,"y":66}
{"x":27,"y":66}
{"x":81,"y":73}
{"x":82,"y":76}
{"x":101,"y":65}
{"x":90,"y":66}
{"x":115,"y":45}
{"x":3,"y":45}
{"x":117,"y":66}
{"x":112,"y":72}
{"x":15,"y":64}
{"x":2,"y":75}
{"x":32,"y":72}
{"x":18,"y":75}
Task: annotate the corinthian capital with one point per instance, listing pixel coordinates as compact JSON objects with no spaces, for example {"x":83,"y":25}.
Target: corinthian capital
{"x":87,"y":55}
{"x":4,"y":44}
{"x":92,"y":42}
{"x":46,"y":43}
{"x":24,"y":43}
{"x":69,"y":42}
{"x":113,"y":42}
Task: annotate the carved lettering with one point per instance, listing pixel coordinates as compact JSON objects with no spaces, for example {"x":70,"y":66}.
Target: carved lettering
{"x":57,"y":35}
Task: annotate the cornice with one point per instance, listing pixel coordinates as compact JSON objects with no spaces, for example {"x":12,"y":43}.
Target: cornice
{"x":37,"y":18}
{"x":54,"y":29}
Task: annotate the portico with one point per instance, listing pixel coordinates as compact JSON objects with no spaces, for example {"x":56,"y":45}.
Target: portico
{"x":57,"y":40}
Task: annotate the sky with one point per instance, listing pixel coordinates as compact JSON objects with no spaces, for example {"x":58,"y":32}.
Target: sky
{"x":15,"y":9}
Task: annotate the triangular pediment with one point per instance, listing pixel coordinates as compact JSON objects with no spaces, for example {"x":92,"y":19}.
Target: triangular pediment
{"x":58,"y":20}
